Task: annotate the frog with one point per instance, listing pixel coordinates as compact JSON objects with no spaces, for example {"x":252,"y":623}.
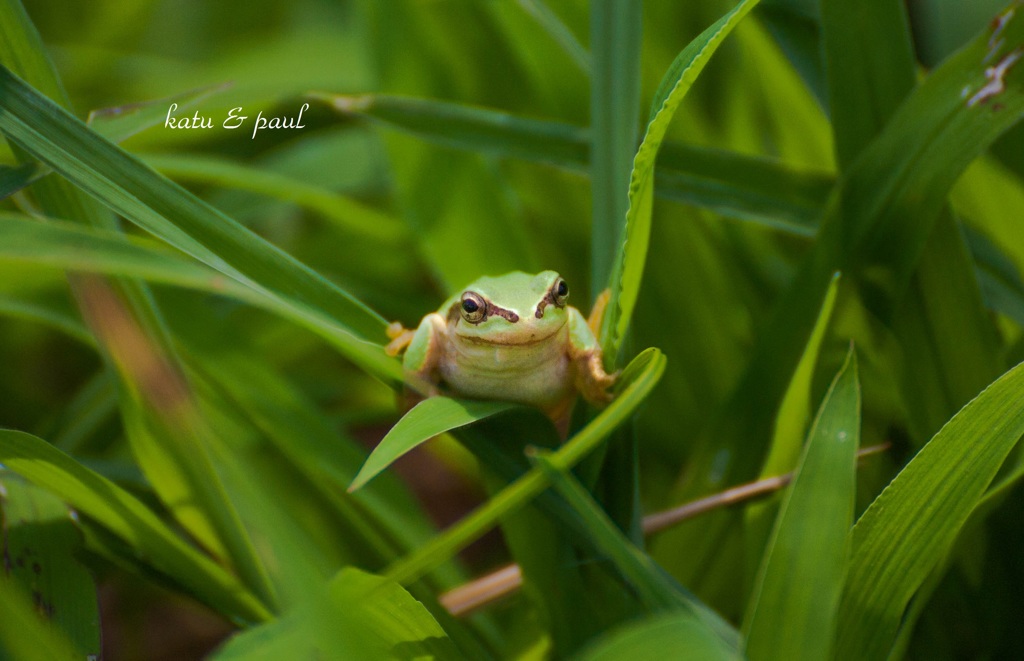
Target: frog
{"x":511,"y":337}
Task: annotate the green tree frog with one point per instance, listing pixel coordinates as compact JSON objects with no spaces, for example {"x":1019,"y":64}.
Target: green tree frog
{"x":512,"y":338}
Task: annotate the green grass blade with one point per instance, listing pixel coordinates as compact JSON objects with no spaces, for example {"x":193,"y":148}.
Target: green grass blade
{"x":156,"y":204}
{"x":629,"y":264}
{"x":559,"y":31}
{"x":673,"y":636}
{"x":471,"y":128}
{"x":869,"y":68}
{"x":793,"y":608}
{"x":655,"y":587}
{"x":429,"y":418}
{"x":910,"y":527}
{"x":736,"y":185}
{"x":358,"y":221}
{"x":122,"y":514}
{"x":16,"y":178}
{"x":122,"y":122}
{"x":24,"y":636}
{"x":67,"y":246}
{"x":615,"y":29}
{"x":873,"y":230}
{"x":39,"y":541}
{"x":637,"y":380}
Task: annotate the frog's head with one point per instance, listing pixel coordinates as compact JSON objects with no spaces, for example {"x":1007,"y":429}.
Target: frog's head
{"x":515,"y":308}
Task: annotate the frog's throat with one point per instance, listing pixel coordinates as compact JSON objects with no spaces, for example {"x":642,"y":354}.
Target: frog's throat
{"x":507,"y":340}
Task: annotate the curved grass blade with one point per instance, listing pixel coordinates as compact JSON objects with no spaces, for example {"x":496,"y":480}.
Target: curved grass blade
{"x":637,"y":380}
{"x":39,"y":539}
{"x":673,"y":636}
{"x":429,"y":418}
{"x":123,"y":515}
{"x":910,"y":527}
{"x":629,"y":264}
{"x":160,"y":206}
{"x":793,"y":608}
{"x":43,"y":314}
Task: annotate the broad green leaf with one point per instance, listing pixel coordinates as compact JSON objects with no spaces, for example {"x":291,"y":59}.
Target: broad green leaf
{"x":629,"y":263}
{"x":909,"y":528}
{"x":39,"y":541}
{"x":737,"y":185}
{"x":83,"y":249}
{"x":123,"y":515}
{"x":678,"y":635}
{"x":429,"y":418}
{"x":637,"y":380}
{"x":792,"y":612}
{"x":24,"y":636}
{"x":657,"y":589}
{"x":390,"y":620}
{"x":615,"y":30}
{"x":158,"y":205}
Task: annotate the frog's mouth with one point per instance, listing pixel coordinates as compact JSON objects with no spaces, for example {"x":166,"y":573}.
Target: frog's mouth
{"x":514,"y":337}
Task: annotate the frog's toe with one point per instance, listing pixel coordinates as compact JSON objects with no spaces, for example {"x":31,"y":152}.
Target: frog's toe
{"x":400,"y":341}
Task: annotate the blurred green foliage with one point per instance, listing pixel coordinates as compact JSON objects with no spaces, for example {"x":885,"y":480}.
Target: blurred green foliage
{"x":191,"y":323}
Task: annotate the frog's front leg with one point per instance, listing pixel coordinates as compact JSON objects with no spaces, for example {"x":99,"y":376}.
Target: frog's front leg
{"x":592,"y":382}
{"x":423,"y":350}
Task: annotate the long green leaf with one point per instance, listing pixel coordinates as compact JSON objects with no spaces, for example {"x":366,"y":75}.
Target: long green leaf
{"x":66,"y":246}
{"x":637,"y":381}
{"x":909,"y":528}
{"x":130,"y":520}
{"x":357,"y":220}
{"x":629,"y":264}
{"x":793,"y":608}
{"x":733,"y":184}
{"x":429,"y":418}
{"x":158,"y":205}
{"x":615,"y":30}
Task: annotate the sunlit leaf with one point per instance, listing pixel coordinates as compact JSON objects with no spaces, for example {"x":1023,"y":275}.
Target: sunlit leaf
{"x":792,"y":613}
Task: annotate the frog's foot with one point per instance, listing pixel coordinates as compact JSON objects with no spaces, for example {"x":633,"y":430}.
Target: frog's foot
{"x":597,"y":312}
{"x":401,"y":338}
{"x":592,"y":381}
{"x":561,"y":415}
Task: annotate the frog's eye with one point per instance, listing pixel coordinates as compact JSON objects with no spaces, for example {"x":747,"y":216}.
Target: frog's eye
{"x":560,"y":292}
{"x":474,"y":307}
